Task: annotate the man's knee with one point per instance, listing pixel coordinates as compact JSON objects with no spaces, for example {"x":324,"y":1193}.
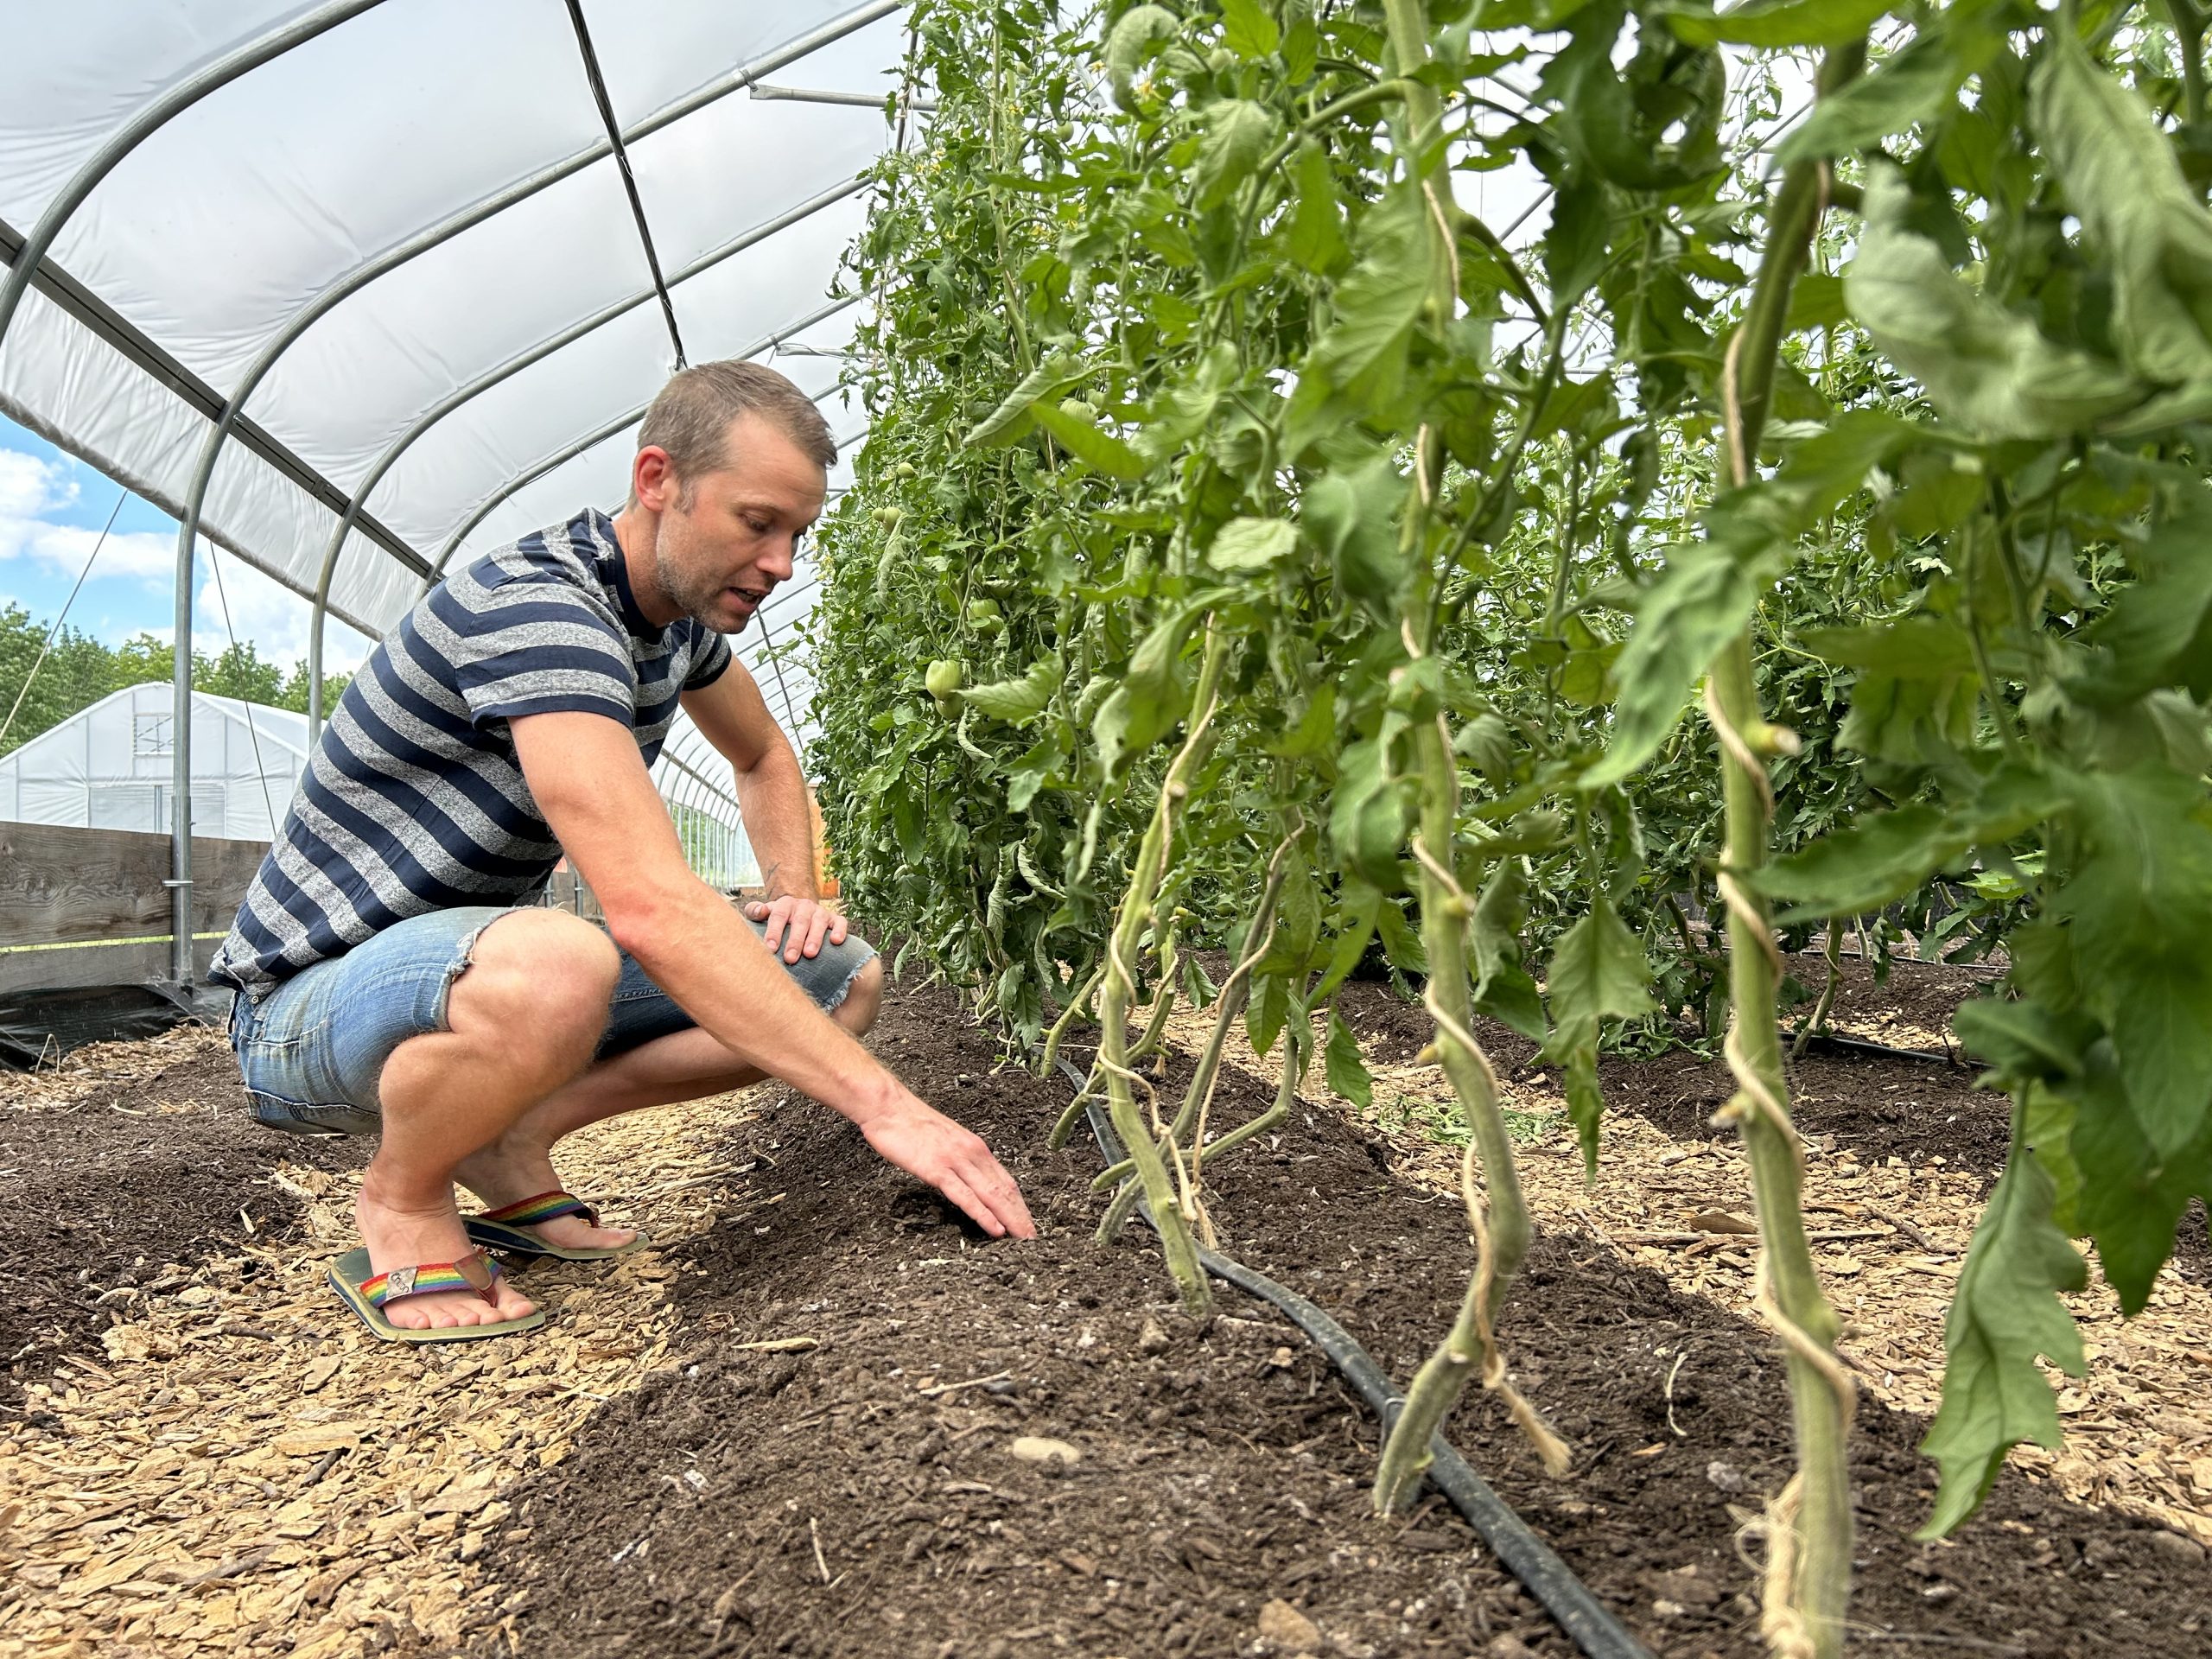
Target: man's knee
{"x":545,"y":973}
{"x":863,"y":998}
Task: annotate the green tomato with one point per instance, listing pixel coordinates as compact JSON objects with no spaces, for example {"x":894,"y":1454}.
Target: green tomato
{"x":944,"y":677}
{"x":904,"y":469}
{"x":1221,"y":60}
{"x":1076,"y":410}
{"x":887,"y":517}
{"x":982,"y":611}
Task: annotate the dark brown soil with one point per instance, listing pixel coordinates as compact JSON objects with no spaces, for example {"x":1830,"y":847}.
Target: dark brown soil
{"x":99,"y":1194}
{"x":824,"y":1503}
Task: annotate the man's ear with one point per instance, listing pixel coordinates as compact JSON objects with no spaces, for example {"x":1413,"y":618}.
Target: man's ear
{"x":653,"y":480}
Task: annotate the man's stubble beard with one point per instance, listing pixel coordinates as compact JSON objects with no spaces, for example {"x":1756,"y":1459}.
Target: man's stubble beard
{"x":693,"y":597}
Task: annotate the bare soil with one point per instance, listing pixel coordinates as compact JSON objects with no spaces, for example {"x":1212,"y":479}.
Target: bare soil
{"x":1880,"y":1107}
{"x":125,"y":1183}
{"x":862,"y":1491}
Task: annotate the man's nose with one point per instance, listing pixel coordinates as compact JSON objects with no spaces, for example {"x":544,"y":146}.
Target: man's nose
{"x":778,"y":562}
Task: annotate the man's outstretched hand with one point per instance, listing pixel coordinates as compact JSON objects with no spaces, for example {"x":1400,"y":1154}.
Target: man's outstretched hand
{"x":796,"y":927}
{"x":930,"y":1147}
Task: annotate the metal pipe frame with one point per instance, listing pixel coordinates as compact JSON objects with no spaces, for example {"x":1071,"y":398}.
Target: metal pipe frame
{"x":854,"y":100}
{"x":501,"y":372}
{"x":422,"y":242}
{"x":599,"y":434}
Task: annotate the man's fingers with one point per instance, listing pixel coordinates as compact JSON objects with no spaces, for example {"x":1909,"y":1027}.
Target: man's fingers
{"x":988,"y":1179}
{"x":817,"y":930}
{"x":978,"y":1211}
{"x":778,"y":920}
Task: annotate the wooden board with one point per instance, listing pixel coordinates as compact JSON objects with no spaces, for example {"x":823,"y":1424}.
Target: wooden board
{"x":58,"y":883}
{"x":96,"y":964}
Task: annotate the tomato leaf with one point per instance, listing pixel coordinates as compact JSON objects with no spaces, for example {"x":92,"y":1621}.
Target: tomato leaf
{"x":1249,"y":30}
{"x":1315,"y":236}
{"x":1351,"y":514}
{"x":1015,"y":700}
{"x":1701,"y":600}
{"x":1347,"y":1070}
{"x":1237,"y":133}
{"x":1088,"y":443}
{"x":1777,"y":22}
{"x":1987,"y":368}
{"x":2005,"y":1315}
{"x":1011,"y":419}
{"x":2123,"y":180}
{"x":1252,"y":544}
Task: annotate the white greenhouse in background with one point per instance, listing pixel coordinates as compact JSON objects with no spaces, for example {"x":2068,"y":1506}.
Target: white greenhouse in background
{"x":108,"y":767}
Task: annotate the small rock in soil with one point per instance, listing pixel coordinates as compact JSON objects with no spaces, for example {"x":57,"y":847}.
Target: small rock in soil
{"x":1287,"y":1631}
{"x":2183,"y":1551}
{"x":1509,"y":1647}
{"x":1686,"y":1587}
{"x":1725,"y":1476}
{"x":1151,"y":1340}
{"x":1035,"y":1448}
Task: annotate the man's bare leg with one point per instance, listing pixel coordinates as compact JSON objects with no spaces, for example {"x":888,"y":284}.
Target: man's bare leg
{"x":684,"y":1065}
{"x":524,"y":1017}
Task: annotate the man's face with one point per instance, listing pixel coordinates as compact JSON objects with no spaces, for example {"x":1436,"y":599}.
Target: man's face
{"x":730,"y":535}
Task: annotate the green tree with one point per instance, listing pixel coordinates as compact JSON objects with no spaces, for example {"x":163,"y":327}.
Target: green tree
{"x":239,"y":671}
{"x":142,"y":658}
{"x":77,"y":671}
{"x":294,"y":693}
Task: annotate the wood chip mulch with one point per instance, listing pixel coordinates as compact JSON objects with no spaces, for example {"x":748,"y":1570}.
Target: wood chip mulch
{"x":247,"y":1470}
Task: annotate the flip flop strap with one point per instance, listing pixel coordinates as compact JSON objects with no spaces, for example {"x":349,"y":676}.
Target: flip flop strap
{"x":474,"y":1272}
{"x":546,"y":1206}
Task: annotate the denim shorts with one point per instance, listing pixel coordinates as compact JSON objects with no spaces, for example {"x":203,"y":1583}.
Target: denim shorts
{"x":313,"y":1049}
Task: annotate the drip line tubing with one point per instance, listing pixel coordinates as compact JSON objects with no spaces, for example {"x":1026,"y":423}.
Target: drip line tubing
{"x":1523,"y":1553}
{"x":1837,"y":1043}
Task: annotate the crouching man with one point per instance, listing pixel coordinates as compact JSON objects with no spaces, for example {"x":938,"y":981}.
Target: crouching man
{"x":390,"y":976}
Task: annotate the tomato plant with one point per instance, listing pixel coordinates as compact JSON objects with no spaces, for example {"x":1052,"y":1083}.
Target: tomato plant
{"x":1256,"y":549}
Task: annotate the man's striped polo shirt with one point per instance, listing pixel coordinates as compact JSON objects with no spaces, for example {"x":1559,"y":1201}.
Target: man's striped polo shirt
{"x":413,"y":800}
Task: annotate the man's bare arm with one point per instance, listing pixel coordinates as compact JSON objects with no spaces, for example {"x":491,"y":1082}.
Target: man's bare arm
{"x":591,"y":785}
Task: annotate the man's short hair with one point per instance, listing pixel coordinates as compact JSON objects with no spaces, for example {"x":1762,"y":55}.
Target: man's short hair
{"x":691,"y":417}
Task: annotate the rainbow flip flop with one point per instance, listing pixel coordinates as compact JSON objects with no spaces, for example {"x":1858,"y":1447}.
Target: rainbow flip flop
{"x":369,"y":1292}
{"x":508,"y":1229}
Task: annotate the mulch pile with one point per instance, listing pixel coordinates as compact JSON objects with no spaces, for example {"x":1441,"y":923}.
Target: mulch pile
{"x":843,"y":1462}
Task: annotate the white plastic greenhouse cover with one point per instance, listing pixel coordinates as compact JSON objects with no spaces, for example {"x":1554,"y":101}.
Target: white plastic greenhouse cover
{"x":107,"y":766}
{"x":382,"y":227}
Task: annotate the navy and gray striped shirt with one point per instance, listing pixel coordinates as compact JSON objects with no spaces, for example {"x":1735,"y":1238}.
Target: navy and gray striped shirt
{"x":413,"y":800}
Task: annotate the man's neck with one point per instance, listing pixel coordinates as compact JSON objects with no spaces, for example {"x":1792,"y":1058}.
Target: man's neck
{"x":636,"y":532}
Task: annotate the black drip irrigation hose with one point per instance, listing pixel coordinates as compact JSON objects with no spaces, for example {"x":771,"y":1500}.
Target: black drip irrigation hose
{"x":1524,"y":1555}
{"x":1835,"y":1043}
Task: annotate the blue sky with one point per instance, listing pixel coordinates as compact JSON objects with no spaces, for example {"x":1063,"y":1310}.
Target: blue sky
{"x":52,"y":507}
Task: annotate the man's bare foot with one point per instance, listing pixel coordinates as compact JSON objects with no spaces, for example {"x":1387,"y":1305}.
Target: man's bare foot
{"x":412,"y":1239}
{"x":508,"y":1171}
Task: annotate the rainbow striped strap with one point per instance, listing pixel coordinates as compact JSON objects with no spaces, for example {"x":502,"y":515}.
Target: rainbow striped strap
{"x":543,"y":1208}
{"x":475,"y":1271}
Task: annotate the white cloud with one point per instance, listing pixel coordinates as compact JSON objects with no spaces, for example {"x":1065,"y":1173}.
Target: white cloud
{"x":30,"y":486}
{"x":31,"y":489}
{"x":274,"y":617}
